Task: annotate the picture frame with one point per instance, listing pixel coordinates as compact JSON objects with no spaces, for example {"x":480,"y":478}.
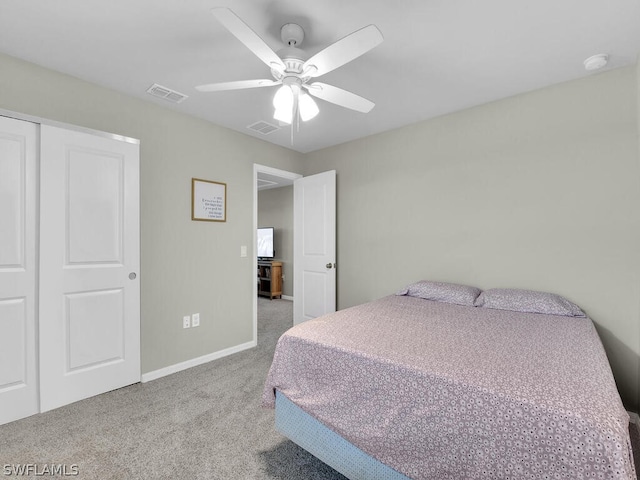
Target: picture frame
{"x":208,"y":200}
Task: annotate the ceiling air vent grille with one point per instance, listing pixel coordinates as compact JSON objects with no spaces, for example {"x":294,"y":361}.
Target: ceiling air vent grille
{"x":263,"y":127}
{"x":166,"y":93}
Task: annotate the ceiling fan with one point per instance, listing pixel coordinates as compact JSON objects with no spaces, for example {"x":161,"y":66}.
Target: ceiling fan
{"x":294,"y":72}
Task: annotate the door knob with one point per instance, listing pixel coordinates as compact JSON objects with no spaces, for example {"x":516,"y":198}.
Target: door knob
{"x":328,"y":265}
{"x":132,"y":276}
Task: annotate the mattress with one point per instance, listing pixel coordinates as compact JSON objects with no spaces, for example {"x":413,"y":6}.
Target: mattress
{"x":435,"y":390}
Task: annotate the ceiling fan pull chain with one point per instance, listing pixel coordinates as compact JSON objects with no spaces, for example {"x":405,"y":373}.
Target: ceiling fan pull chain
{"x":296,"y":107}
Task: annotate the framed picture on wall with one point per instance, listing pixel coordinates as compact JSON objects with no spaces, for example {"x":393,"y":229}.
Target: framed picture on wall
{"x":208,"y":200}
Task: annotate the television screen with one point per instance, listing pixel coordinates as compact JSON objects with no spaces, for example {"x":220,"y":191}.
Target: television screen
{"x":265,"y":243}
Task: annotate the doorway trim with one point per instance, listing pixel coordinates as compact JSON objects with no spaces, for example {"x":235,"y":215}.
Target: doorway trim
{"x":257,"y":168}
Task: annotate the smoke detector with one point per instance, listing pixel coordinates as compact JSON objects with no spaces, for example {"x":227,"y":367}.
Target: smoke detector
{"x":596,"y":62}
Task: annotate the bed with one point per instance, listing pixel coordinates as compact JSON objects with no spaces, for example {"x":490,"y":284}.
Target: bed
{"x":446,"y":387}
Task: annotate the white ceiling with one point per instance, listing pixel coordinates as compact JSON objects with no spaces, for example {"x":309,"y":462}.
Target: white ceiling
{"x":438,"y":56}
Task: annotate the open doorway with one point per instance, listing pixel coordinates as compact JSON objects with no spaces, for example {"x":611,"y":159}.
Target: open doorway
{"x":275,"y":188}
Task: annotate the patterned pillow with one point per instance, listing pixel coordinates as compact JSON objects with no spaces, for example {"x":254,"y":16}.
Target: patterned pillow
{"x":528,"y":301}
{"x":442,"y":292}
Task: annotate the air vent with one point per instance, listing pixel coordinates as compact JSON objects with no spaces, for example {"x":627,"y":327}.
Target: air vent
{"x":166,"y":93}
{"x":263,"y":127}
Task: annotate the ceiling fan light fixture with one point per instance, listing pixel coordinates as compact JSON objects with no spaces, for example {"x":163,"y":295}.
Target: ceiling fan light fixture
{"x":283,"y":99}
{"x":284,"y":115}
{"x":283,"y":103}
{"x":308,"y":108}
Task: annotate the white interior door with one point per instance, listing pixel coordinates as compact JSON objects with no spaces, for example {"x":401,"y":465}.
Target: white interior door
{"x":314,"y":244}
{"x":89,"y":256}
{"x":18,"y":369}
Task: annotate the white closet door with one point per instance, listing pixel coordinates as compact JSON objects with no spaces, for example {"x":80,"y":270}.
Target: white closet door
{"x":18,"y":378}
{"x":89,"y":258}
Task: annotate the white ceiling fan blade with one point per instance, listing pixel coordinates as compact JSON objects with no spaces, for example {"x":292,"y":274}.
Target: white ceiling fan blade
{"x":340,"y":97}
{"x":240,"y":84}
{"x":252,"y":41}
{"x":343,"y":51}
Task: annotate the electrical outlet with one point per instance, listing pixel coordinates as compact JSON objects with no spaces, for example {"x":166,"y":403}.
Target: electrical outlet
{"x":283,"y":278}
{"x":195,"y":320}
{"x":186,"y":321}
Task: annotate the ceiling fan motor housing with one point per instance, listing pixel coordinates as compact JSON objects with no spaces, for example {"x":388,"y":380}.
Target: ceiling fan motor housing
{"x":291,"y":54}
{"x":292,"y":34}
{"x":293,"y":59}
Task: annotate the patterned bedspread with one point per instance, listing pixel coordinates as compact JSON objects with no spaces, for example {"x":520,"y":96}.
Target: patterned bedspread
{"x":441,"y":391}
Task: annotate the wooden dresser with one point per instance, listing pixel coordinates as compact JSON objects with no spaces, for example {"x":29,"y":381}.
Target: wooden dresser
{"x":269,"y":279}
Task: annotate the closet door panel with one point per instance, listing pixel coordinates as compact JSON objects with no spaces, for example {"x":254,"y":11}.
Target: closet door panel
{"x":12,"y":197}
{"x":94,"y":207}
{"x":18,"y":164}
{"x":89,"y":287}
{"x":13,"y":331}
{"x":95,"y":325}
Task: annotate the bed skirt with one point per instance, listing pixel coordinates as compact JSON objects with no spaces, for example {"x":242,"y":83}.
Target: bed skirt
{"x":328,"y":446}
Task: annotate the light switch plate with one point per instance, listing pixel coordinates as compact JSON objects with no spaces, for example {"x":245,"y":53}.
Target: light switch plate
{"x":195,"y":320}
{"x":243,"y":250}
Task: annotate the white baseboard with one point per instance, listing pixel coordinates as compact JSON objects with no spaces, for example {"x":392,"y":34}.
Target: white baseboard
{"x":194,"y":362}
{"x":287,"y":297}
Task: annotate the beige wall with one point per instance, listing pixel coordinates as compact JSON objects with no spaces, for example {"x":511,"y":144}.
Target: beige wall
{"x":538,"y":191}
{"x":186,"y":266}
{"x":275,"y":209}
{"x":637,"y":407}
